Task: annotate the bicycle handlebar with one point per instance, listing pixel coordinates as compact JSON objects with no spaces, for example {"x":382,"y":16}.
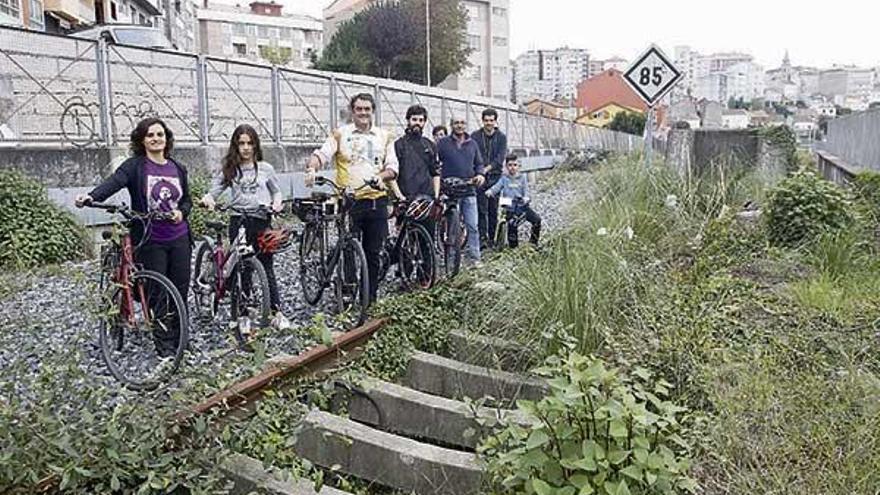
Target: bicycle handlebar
{"x":128,"y":213}
{"x":321,"y":181}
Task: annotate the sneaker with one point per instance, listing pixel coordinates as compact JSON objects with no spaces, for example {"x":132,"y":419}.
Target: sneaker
{"x":280,"y":321}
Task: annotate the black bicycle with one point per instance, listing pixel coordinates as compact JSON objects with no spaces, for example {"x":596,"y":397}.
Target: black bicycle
{"x":511,"y":214}
{"x":231,"y":270}
{"x":450,"y":232}
{"x":342,"y":267}
{"x":412,"y":248}
{"x":144,"y":326}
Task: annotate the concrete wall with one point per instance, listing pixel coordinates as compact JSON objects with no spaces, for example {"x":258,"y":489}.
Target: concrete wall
{"x":855,"y":139}
{"x":834,"y":169}
{"x":694,"y":151}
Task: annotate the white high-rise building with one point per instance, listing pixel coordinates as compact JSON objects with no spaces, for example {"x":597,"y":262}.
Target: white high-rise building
{"x":551,"y":75}
{"x":488,"y":34}
{"x":718,"y":76}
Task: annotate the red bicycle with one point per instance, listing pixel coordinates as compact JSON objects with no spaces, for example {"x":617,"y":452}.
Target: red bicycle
{"x":144,"y":327}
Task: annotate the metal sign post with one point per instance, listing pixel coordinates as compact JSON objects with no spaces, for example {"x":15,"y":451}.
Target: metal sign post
{"x":651,"y":76}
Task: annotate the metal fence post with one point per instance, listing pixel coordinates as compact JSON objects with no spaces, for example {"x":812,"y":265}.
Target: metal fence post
{"x":522,"y":128}
{"x":202,"y":98}
{"x":507,"y":121}
{"x":334,"y":112}
{"x":467,"y":115}
{"x":276,"y":103}
{"x":105,"y":96}
{"x":443,"y":118}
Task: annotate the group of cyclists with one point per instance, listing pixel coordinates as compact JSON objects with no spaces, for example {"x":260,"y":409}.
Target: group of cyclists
{"x":410,"y":168}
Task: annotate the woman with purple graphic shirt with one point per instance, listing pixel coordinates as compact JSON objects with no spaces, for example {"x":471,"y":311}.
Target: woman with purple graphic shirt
{"x":155,"y":182}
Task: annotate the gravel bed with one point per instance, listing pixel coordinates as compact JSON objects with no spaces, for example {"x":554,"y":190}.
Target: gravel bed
{"x":52,"y":318}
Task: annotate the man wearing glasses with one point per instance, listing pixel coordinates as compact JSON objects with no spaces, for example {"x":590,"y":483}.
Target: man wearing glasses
{"x":362,"y":153}
{"x":461,"y":159}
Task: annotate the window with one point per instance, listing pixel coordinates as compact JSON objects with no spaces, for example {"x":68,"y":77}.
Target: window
{"x":474,"y":41}
{"x":263,"y":31}
{"x":499,"y":41}
{"x":499,"y":70}
{"x":239,"y":29}
{"x":239,"y":48}
{"x":10,"y":7}
{"x":113,"y":10}
{"x":499,"y":11}
{"x":473,"y":11}
{"x":286,"y":33}
{"x":252,"y":29}
{"x":36,"y":20}
{"x":177,"y":6}
{"x":474,"y":72}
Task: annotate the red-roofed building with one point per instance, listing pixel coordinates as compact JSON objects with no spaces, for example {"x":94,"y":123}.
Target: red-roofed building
{"x":606,"y":94}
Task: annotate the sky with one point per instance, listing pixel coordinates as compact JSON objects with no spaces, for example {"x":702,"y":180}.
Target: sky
{"x":815,"y":33}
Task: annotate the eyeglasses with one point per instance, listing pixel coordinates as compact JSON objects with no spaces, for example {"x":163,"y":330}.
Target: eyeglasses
{"x":156,"y":134}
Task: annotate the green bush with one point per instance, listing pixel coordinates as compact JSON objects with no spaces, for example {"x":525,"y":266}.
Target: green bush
{"x":803,"y":206}
{"x":598,"y":431}
{"x":866,"y":188}
{"x":199,"y":216}
{"x":33,"y":230}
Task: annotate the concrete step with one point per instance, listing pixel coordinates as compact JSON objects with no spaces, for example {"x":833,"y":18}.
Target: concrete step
{"x":415,"y":414}
{"x":491,"y":352}
{"x":394,"y":461}
{"x":249,"y":477}
{"x":437,"y":375}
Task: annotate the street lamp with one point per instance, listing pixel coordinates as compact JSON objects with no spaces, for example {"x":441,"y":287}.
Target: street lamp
{"x":428,"y":41}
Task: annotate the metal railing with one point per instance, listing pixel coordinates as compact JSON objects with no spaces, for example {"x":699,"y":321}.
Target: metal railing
{"x":64,"y":91}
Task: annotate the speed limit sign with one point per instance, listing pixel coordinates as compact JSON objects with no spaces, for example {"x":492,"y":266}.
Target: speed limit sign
{"x":652,"y":75}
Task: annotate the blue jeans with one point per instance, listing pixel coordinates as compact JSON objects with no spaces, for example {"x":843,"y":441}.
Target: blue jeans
{"x":468,"y":206}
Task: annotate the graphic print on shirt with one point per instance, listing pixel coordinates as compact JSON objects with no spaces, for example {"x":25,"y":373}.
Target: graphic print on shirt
{"x":163,"y":193}
{"x":361,"y":151}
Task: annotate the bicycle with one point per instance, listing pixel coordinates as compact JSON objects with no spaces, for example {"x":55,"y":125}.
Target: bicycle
{"x":137,"y":303}
{"x":511,"y":214}
{"x":447,"y":229}
{"x":241,"y":276}
{"x":412,"y":248}
{"x":344,"y":267}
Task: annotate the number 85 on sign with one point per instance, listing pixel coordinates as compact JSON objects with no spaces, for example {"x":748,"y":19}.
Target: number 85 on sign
{"x":652,"y":75}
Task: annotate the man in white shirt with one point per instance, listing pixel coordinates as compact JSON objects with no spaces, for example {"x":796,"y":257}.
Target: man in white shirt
{"x":362,"y":153}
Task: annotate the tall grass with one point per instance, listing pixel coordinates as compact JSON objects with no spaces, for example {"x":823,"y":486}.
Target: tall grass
{"x":637,"y":222}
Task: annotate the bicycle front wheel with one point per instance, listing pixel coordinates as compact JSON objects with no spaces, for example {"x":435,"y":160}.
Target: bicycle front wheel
{"x":501,"y":234}
{"x":311,"y":263}
{"x":144,"y":330}
{"x":249,"y":296}
{"x":203,"y":284}
{"x":418,"y":265}
{"x":352,"y":284}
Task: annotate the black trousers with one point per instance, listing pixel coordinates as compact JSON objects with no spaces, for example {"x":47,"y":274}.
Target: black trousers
{"x":487,"y":213}
{"x":252,"y":228}
{"x":513,"y":229}
{"x":171,"y":259}
{"x":369,"y":218}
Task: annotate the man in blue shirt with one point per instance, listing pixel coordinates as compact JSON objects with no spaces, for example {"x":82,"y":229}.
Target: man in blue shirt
{"x":461,"y":159}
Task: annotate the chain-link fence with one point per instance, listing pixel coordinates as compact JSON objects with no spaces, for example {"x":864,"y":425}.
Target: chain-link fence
{"x":57,"y":90}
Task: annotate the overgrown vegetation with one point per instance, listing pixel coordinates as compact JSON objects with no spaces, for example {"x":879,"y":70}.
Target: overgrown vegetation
{"x":803,"y":206}
{"x":33,"y":230}
{"x":598,"y":431}
{"x":765,"y":330}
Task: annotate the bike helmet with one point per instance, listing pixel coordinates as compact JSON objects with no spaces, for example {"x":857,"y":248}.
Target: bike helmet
{"x":419,"y":209}
{"x":273,"y":240}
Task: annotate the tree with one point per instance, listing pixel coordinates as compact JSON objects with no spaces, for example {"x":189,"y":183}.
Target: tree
{"x":628,"y":122}
{"x":278,"y":55}
{"x":387,"y":39}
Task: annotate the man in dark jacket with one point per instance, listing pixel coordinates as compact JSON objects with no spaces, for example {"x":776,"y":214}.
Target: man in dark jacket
{"x":492,"y":144}
{"x":419,"y":173}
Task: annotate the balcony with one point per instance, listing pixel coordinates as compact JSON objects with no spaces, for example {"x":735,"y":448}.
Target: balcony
{"x":73,"y":11}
